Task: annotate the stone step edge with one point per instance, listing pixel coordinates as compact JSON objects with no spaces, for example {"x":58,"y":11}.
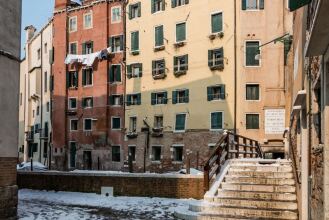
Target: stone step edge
{"x":247,"y":191}
{"x":268,"y":177}
{"x":256,"y":184}
{"x":235,"y":217}
{"x":254,"y":200}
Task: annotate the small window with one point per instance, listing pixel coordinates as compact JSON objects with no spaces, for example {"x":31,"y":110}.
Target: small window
{"x":135,"y":41}
{"x":180,"y":122}
{"x":159,"y":39}
{"x":73,"y":24}
{"x":48,"y":106}
{"x":36,"y":128}
{"x":180,"y":32}
{"x":87,"y":102}
{"x":180,"y":96}
{"x":39,"y":54}
{"x":73,"y":124}
{"x":72,"y":79}
{"x":73,"y":151}
{"x":45,"y":46}
{"x":252,"y":92}
{"x":134,"y":70}
{"x":158,"y":5}
{"x":134,"y":99}
{"x":116,"y":155}
{"x":116,"y":100}
{"x":116,"y":43}
{"x":158,"y":67}
{"x":156,"y":153}
{"x":176,"y":3}
{"x":216,"y":120}
{"x":216,"y":58}
{"x":180,"y":64}
{"x":252,"y":50}
{"x":45,"y":82}
{"x":133,"y":124}
{"x":115,"y":73}
{"x":88,"y":20}
{"x":135,"y":10}
{"x":216,"y":92}
{"x":38,"y":110}
{"x":178,"y":153}
{"x":158,"y":121}
{"x":252,"y":121}
{"x":116,"y":14}
{"x":88,"y":47}
{"x":87,"y":77}
{"x":252,"y":4}
{"x":87,"y":124}
{"x":159,"y":98}
{"x":72,"y":103}
{"x":216,"y":22}
{"x":73,"y":48}
{"x":116,"y":123}
{"x":132,"y":153}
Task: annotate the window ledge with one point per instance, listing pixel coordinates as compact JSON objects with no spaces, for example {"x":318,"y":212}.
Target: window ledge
{"x":156,"y":162}
{"x":217,"y":67}
{"x":159,"y":48}
{"x":178,"y":131}
{"x":135,"y":53}
{"x":180,"y":73}
{"x":159,"y":76}
{"x":73,"y":88}
{"x":177,"y":162}
{"x":131,"y":134}
{"x":180,"y":44}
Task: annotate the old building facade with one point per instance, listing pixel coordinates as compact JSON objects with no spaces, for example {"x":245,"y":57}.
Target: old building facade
{"x":88,"y":71}
{"x":34,"y":103}
{"x":10,"y":25}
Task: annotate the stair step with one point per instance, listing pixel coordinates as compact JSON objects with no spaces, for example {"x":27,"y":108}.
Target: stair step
{"x":262,"y":181}
{"x":188,"y":215}
{"x":263,"y":174}
{"x":257,"y":195}
{"x":245,"y":212}
{"x":259,"y":162}
{"x":262,"y":204}
{"x":269,"y":168}
{"x":258,"y":188}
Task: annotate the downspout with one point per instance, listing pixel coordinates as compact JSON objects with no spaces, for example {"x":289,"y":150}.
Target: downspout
{"x":108,"y":79}
{"x":41,"y":94}
{"x":66,"y":159}
{"x":235,"y":69}
{"x":125,"y":3}
{"x":51,"y":103}
{"x":309,"y":138}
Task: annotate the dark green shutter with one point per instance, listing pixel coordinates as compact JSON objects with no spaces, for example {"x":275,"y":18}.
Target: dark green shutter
{"x":163,"y":5}
{"x":51,"y":83}
{"x":217,"y":22}
{"x":209,"y":93}
{"x":295,"y":4}
{"x":174,"y":97}
{"x":67,"y":79}
{"x":130,"y":12}
{"x":51,"y":56}
{"x":140,"y":65}
{"x":186,"y":2}
{"x":111,"y":100}
{"x":261,"y":4}
{"x":118,"y":73}
{"x":159,"y":35}
{"x":121,"y":99}
{"x":121,"y":42}
{"x":187,"y":98}
{"x":173,"y":3}
{"x":222,"y":92}
{"x":210,"y":58}
{"x":165,"y":97}
{"x":129,"y":72}
{"x":139,"y":9}
{"x":111,"y":74}
{"x":186,"y":61}
{"x":128,"y":100}
{"x":244,"y":4}
{"x":83,"y":48}
{"x":180,"y":32}
{"x":76,"y":74}
{"x":175,"y":64}
{"x":84,"y":77}
{"x":153,"y":98}
{"x":221,"y":51}
{"x":73,"y":151}
{"x":153,"y":67}
{"x":111,"y":40}
{"x":139,"y":98}
{"x":152,"y":6}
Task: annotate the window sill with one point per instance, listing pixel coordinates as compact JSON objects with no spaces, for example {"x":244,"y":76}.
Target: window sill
{"x":73,"y":88}
{"x":179,"y":131}
{"x":218,"y":67}
{"x":180,"y":73}
{"x":219,"y":34}
{"x":180,"y":44}
{"x":115,"y":129}
{"x":87,"y":86}
{"x":216,"y":130}
{"x":217,"y":100}
{"x":159,"y":76}
{"x":177,"y":162}
{"x":252,"y":66}
{"x":156,"y":162}
{"x":135,"y":53}
{"x":159,"y":48}
{"x":180,"y":103}
{"x":115,"y":83}
{"x":116,"y":106}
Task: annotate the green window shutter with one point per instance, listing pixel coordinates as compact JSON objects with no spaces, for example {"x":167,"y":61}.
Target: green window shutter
{"x":111,"y":40}
{"x":217,"y":23}
{"x":222,"y":92}
{"x":186,"y":2}
{"x":180,"y":32}
{"x":111,"y":74}
{"x":187,"y":98}
{"x":180,"y":122}
{"x":92,"y":46}
{"x":139,"y":98}
{"x":173,"y":3}
{"x":186,"y":61}
{"x":153,"y":98}
{"x":139,"y":9}
{"x":244,"y":4}
{"x":140,"y":65}
{"x":118,"y":73}
{"x":121,"y":99}
{"x":135,"y":41}
{"x":159,"y":36}
{"x":51,"y":56}
{"x":175,"y":64}
{"x":130,"y":12}
{"x":76,"y":78}
{"x":210,"y":56}
{"x":165,"y":97}
{"x":152,"y":6}
{"x":163,"y":5}
{"x":111,"y":100}
{"x":295,"y":4}
{"x":174,"y":97}
{"x":128,"y":100}
{"x":256,"y":121}
{"x":129,"y":71}
{"x":153,"y":67}
{"x":83,"y":48}
{"x":121,"y":42}
{"x":67,"y":79}
{"x":51,"y":82}
{"x":261,"y":4}
{"x":209,"y":95}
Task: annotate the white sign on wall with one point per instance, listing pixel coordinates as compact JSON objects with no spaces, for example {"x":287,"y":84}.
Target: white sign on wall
{"x":274,"y":121}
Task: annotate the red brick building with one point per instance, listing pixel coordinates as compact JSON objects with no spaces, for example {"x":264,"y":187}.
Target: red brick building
{"x":88,"y":86}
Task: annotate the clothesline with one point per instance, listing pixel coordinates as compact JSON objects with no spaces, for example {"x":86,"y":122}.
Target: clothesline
{"x":87,"y":59}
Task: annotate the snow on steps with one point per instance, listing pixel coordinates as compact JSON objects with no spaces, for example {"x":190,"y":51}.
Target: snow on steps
{"x":250,"y":189}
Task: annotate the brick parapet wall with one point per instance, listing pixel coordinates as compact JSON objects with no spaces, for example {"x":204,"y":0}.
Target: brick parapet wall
{"x":8,"y":171}
{"x":144,"y":185}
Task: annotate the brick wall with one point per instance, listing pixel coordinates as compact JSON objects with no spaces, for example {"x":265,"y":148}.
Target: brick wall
{"x":145,"y":185}
{"x":8,"y":171}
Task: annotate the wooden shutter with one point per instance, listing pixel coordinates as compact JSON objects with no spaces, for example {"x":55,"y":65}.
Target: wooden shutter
{"x":261,"y":4}
{"x":76,"y":78}
{"x":175,"y":64}
{"x":128,"y":100}
{"x":153,"y":98}
{"x":83,"y":48}
{"x":140,"y":65}
{"x":210,"y":58}
{"x":111,"y":74}
{"x":152,"y":6}
{"x":174,"y":97}
{"x":180,"y":32}
{"x":153,"y":67}
{"x":139,"y":98}
{"x":67,"y":79}
{"x":130,"y":12}
{"x":51,"y":56}
{"x":244,"y":4}
{"x":129,"y":71}
{"x":139,"y":9}
{"x":118,"y":73}
{"x":217,"y":22}
{"x":222,"y":92}
{"x":187,"y":98}
{"x":111,"y":41}
{"x":165,"y":97}
{"x":163,"y":5}
{"x":209,"y":93}
{"x":186,"y":61}
{"x":121,"y":42}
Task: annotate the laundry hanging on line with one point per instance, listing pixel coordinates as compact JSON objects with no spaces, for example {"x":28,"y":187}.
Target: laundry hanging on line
{"x":87,"y":59}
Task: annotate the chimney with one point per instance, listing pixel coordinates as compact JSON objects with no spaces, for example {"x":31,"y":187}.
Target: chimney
{"x":61,"y":4}
{"x":30,"y":30}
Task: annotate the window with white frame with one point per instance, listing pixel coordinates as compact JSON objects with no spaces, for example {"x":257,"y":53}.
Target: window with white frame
{"x":87,"y":124}
{"x":178,"y":153}
{"x":217,"y":22}
{"x":216,"y":92}
{"x":87,"y":77}
{"x":73,"y":124}
{"x":87,"y":102}
{"x":135,"y":70}
{"x":252,"y":51}
{"x":253,"y":4}
{"x":135,"y":10}
{"x":88,"y":20}
{"x":158,"y":67}
{"x":116,"y":43}
{"x":181,"y":63}
{"x":176,"y":3}
{"x":216,"y":120}
{"x":73,"y":24}
{"x":180,"y":96}
{"x":180,"y":123}
{"x":181,"y":32}
{"x":116,"y":123}
{"x":158,"y":98}
{"x":252,"y":92}
{"x":133,"y":124}
{"x":72,"y":103}
{"x":156,"y":153}
{"x":252,"y":121}
{"x":73,"y":48}
{"x":116,"y":14}
{"x":158,"y":121}
{"x":157,"y":5}
{"x":116,"y":100}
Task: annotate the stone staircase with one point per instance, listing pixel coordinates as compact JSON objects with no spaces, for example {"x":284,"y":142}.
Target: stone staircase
{"x":249,"y":189}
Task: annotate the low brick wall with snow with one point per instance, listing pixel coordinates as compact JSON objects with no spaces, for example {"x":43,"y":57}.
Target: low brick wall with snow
{"x":124,"y":184}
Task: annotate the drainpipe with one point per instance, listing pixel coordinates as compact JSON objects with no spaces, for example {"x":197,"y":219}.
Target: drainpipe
{"x":309,"y":137}
{"x":108,"y":79}
{"x":66,"y":159}
{"x":41,"y":99}
{"x":124,"y":65}
{"x":235,"y":68}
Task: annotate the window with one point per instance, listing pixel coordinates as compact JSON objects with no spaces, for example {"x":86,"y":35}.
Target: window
{"x":116,"y":43}
{"x":88,"y":20}
{"x":158,"y":121}
{"x":73,"y":24}
{"x":180,"y":96}
{"x":159,"y":98}
{"x":158,"y":67}
{"x":180,"y":32}
{"x":87,"y":77}
{"x":116,"y":100}
{"x":135,"y":10}
{"x":181,"y":64}
{"x":116,"y":154}
{"x":252,"y":50}
{"x":176,"y":3}
{"x":216,"y":22}
{"x":73,"y":124}
{"x":48,"y":106}
{"x":88,"y":47}
{"x":72,"y":103}
{"x":45,"y":46}
{"x":45,"y":81}
{"x":38,"y":110}
{"x":132,"y":152}
{"x":39,"y":54}
{"x":252,"y":121}
{"x":134,"y":99}
{"x":216,"y":92}
{"x":133,"y":124}
{"x":252,"y":92}
{"x":216,"y":58}
{"x":87,"y":102}
{"x":156,"y":153}
{"x":73,"y":48}
{"x":115,"y":73}
{"x":178,"y":153}
{"x":252,"y":4}
{"x":158,"y":5}
{"x":134,"y":41}
{"x":36,"y":128}
{"x":72,"y":79}
{"x":73,"y":151}
{"x":216,"y":120}
{"x":87,"y":124}
{"x":116,"y":15}
{"x":134,"y":70}
{"x":116,"y":123}
{"x":159,"y":36}
{"x":180,"y":122}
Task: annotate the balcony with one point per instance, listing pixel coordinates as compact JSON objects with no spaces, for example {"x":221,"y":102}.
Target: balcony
{"x":44,"y":133}
{"x":29,"y":136}
{"x":132,"y":134}
{"x":157,"y":132}
{"x":318,"y":28}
